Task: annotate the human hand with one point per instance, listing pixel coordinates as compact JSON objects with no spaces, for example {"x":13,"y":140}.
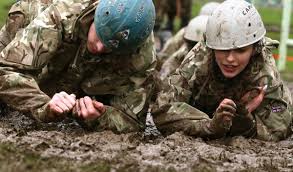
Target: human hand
{"x":61,"y":103}
{"x":253,"y":99}
{"x":244,"y":123}
{"x":88,"y":109}
{"x":222,"y":119}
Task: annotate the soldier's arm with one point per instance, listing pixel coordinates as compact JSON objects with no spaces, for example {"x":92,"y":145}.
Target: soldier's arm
{"x":174,"y":112}
{"x":4,"y":38}
{"x":19,"y":16}
{"x":178,"y":87}
{"x":23,"y":59}
{"x":173,"y":62}
{"x":171,"y":46}
{"x":274,"y":116}
{"x":15,"y":21}
{"x":274,"y":119}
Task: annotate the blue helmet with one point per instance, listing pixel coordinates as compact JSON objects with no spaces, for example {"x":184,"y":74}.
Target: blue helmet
{"x":123,"y":25}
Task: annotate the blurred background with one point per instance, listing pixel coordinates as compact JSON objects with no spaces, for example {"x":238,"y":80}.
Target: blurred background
{"x":270,"y":10}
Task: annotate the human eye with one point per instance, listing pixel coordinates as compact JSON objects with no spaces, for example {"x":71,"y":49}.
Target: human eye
{"x":241,"y":50}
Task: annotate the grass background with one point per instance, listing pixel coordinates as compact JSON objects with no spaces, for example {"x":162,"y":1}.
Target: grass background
{"x":4,"y":7}
{"x":271,"y":17}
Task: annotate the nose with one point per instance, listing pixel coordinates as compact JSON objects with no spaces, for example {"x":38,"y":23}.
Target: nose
{"x":230,"y":57}
{"x":100,"y":47}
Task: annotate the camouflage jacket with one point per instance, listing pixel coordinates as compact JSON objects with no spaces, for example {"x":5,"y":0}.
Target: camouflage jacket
{"x":174,"y":61}
{"x":171,"y":46}
{"x":197,"y":87}
{"x":45,"y":53}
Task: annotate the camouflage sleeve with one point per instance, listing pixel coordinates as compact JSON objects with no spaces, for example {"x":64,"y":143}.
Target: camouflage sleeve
{"x":172,"y":110}
{"x":172,"y":63}
{"x":19,"y":16}
{"x":178,"y":87}
{"x":274,"y":120}
{"x":22,"y":93}
{"x":4,"y":38}
{"x":274,"y":116}
{"x":33,"y":46}
{"x":25,"y":56}
{"x":171,"y":46}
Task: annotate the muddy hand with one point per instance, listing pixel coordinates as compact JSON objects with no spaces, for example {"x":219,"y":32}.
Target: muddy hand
{"x":89,"y":109}
{"x":252,"y":100}
{"x":222,"y":120}
{"x":61,"y":103}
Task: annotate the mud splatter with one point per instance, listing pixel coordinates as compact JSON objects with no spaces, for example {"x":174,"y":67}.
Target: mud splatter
{"x":65,"y":146}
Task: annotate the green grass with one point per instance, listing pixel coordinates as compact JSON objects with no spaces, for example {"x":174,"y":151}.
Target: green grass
{"x":272,"y":16}
{"x":289,"y":66}
{"x":4,"y":7}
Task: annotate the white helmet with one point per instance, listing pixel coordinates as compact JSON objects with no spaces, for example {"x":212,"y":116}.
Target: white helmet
{"x":208,"y":8}
{"x":234,"y":24}
{"x":196,"y":28}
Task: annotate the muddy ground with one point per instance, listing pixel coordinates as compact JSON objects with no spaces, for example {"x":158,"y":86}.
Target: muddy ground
{"x":28,"y":146}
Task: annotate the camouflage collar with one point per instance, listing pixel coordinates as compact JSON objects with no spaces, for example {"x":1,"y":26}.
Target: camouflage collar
{"x":84,"y":21}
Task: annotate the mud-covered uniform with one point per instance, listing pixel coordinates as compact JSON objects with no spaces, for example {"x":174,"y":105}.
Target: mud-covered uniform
{"x":45,"y":53}
{"x":187,"y":103}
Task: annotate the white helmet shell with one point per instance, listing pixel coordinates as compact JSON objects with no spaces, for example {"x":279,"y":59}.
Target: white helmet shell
{"x":234,"y":24}
{"x":196,"y":28}
{"x":208,"y":8}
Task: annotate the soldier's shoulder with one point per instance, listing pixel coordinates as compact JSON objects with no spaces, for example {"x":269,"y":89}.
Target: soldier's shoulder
{"x":197,"y":60}
{"x":199,"y":53}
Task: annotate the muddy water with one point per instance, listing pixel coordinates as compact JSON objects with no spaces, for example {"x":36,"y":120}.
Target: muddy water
{"x":28,"y":146}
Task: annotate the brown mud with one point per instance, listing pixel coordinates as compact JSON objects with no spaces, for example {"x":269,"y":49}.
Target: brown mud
{"x":26,"y":145}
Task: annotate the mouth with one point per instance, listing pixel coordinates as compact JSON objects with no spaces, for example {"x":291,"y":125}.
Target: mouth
{"x":92,"y":49}
{"x":229,"y":68}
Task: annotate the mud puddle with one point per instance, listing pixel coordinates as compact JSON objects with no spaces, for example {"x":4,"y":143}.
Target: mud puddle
{"x":28,"y":146}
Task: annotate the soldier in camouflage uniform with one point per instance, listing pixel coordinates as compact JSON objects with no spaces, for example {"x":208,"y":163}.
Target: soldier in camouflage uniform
{"x":193,"y":33}
{"x":174,"y":43}
{"x":228,"y":84}
{"x":170,"y":47}
{"x":20,"y":15}
{"x":89,"y":59}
